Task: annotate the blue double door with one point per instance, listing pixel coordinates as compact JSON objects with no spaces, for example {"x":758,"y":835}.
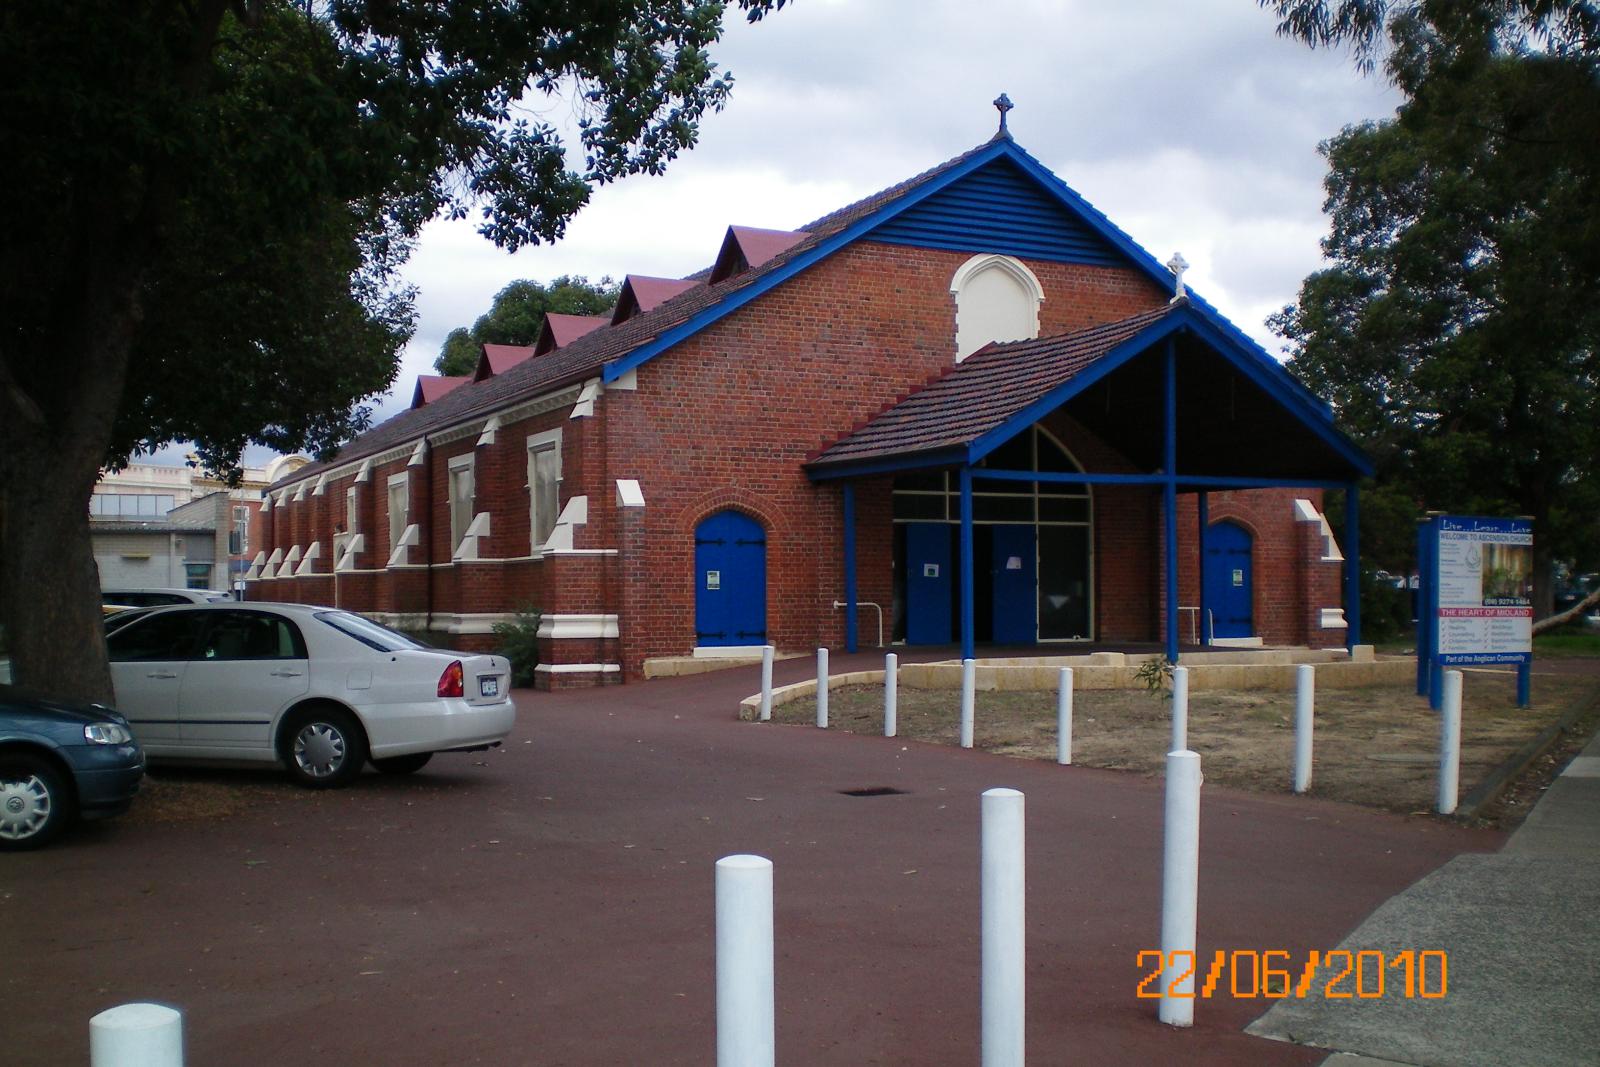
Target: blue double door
{"x":730,"y":571}
{"x":1229,"y":581}
{"x":1005,"y":584}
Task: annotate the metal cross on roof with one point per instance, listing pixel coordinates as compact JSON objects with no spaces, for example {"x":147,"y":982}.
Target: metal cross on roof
{"x":1003,"y":104}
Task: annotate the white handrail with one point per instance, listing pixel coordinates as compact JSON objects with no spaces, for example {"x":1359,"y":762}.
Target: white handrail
{"x":866,"y":604}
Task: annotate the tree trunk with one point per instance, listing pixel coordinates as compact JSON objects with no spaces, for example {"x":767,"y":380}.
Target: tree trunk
{"x":53,"y":441}
{"x":49,"y":586}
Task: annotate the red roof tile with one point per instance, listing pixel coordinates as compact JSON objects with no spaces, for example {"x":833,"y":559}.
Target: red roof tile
{"x":585,"y":357}
{"x":431,"y":387}
{"x":978,"y":395}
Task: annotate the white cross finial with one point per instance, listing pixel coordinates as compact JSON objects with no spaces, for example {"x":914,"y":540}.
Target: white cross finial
{"x":1177,"y":265}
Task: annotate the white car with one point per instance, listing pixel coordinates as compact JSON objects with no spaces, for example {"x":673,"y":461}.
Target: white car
{"x":155,"y":598}
{"x":319,"y":690}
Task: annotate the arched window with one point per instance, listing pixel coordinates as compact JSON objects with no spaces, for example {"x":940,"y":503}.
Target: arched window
{"x":997,"y":299}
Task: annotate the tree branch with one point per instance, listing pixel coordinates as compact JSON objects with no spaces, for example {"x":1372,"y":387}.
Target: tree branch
{"x":1554,"y":622}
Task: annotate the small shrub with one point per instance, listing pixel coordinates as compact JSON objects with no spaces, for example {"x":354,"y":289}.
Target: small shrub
{"x":519,"y":643}
{"x":1156,"y":674}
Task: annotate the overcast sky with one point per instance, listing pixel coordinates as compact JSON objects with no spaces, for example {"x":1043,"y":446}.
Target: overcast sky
{"x":1188,"y":122}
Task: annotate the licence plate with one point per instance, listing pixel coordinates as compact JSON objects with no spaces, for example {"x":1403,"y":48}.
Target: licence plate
{"x":489,"y":687}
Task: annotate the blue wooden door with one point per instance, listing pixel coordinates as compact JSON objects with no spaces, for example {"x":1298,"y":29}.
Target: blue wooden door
{"x":1229,"y":581}
{"x":1016,"y":587}
{"x":928,"y":583}
{"x":730,"y":574}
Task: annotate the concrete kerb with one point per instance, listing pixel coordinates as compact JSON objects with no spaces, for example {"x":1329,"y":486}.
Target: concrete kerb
{"x":1497,"y":780}
{"x":1270,"y":669}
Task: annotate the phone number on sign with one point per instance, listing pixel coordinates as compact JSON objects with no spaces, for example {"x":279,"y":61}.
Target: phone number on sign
{"x":1351,"y":975}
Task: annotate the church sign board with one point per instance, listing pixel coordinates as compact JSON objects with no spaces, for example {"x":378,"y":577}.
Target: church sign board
{"x":1484,"y":571}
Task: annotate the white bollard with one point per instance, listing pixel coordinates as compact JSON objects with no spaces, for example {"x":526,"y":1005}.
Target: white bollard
{"x":1064,"y":717}
{"x":136,"y":1035}
{"x":1004,"y":928}
{"x":746,"y":1031}
{"x":1450,"y":744}
{"x":1180,"y":884}
{"x":1180,"y":709}
{"x":1305,"y":699}
{"x":822,"y":689}
{"x":891,"y":695}
{"x":766,"y":683}
{"x":969,"y":699}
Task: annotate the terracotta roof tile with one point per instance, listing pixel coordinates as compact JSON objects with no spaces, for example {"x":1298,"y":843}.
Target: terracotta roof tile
{"x":585,"y":357}
{"x":979,"y":394}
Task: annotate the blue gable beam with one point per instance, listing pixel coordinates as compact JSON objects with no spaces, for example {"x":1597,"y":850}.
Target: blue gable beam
{"x":1282,"y":387}
{"x":1287,"y":392}
{"x":1070,"y":388}
{"x":945,"y":457}
{"x":1186,"y":482}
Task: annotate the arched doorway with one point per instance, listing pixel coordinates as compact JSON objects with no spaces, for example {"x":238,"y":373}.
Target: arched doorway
{"x":1031,"y":547}
{"x":730,"y":573}
{"x":1229,"y":581}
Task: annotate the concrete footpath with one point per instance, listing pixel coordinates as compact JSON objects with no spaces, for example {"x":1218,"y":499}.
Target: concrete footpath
{"x":1521,"y":929}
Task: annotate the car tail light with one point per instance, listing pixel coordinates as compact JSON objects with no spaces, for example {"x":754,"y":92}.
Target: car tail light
{"x":452,"y":683}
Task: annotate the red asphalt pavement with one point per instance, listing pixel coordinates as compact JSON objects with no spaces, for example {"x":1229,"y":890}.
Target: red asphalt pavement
{"x":555,"y":905}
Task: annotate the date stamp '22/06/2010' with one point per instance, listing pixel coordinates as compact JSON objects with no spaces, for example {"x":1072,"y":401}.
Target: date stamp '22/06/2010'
{"x":1366,"y":974}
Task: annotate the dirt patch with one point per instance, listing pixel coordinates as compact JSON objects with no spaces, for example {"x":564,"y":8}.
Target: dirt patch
{"x":1375,"y":746}
{"x":181,"y":794}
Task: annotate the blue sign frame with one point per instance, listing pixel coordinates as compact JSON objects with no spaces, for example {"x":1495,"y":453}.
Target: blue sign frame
{"x":1431,"y":659}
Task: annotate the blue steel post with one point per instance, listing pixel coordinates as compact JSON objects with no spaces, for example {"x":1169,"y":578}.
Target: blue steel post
{"x":1435,"y":668}
{"x":968,"y":641}
{"x":1170,"y":491}
{"x":1352,"y":566}
{"x":1419,"y":601}
{"x":1524,"y":684}
{"x":1204,"y":502}
{"x":850,"y":636}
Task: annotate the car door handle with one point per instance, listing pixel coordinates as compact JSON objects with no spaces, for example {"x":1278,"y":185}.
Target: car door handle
{"x":162,"y":674}
{"x":287,"y":674}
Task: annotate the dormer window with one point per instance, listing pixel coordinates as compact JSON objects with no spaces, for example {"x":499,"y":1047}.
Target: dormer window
{"x":997,"y":299}
{"x":559,"y":331}
{"x":431,"y":387}
{"x":497,"y":359}
{"x":640,"y":294}
{"x":745,"y":247}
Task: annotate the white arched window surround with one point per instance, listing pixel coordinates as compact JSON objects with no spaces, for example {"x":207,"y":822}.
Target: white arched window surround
{"x":997,"y":299}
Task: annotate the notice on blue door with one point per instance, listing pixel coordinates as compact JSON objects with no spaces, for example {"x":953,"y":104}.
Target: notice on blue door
{"x":1485,"y":589}
{"x":713,"y":579}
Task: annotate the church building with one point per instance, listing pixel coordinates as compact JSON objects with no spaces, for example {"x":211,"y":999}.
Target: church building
{"x":965,"y":411}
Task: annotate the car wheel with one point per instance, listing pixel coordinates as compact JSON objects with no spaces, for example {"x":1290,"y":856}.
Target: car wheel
{"x":35,"y":803}
{"x":403,"y":764}
{"x":324,"y":747}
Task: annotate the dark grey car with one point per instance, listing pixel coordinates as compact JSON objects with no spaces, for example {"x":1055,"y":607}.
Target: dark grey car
{"x":60,"y":762}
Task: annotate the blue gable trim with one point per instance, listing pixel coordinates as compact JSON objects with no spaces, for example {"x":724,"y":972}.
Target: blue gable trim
{"x":999,"y":208}
{"x":1265,"y":367}
{"x":943,"y":457}
{"x":1280,"y":386}
{"x":776,"y":277}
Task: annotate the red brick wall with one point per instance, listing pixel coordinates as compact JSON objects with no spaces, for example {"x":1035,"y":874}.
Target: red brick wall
{"x":726,"y":419}
{"x":1290,"y":583}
